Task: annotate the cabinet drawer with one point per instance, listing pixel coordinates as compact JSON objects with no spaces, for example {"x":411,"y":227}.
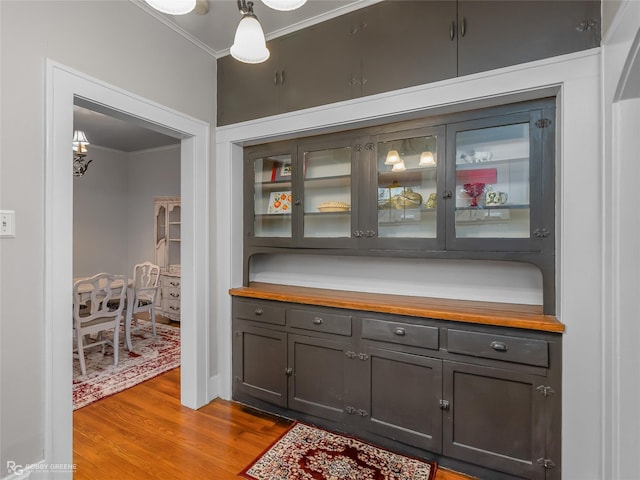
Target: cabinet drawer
{"x":171,"y":293}
{"x":259,"y":312}
{"x":401,"y":333}
{"x":170,"y":282}
{"x":320,"y":322}
{"x":500,"y":347}
{"x":171,"y":306}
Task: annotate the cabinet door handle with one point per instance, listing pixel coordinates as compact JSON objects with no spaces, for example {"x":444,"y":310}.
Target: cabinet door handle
{"x":258,"y":311}
{"x":275,"y":77}
{"x":463,"y":27}
{"x":401,"y":332}
{"x":289,"y":371}
{"x":499,"y":346}
{"x":447,"y":194}
{"x":444,"y":404}
{"x":317,"y":321}
{"x":297,"y":202}
{"x":282,"y":77}
{"x":452,"y":31}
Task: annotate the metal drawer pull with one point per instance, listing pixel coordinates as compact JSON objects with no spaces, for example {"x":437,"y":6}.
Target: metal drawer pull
{"x":174,"y":295}
{"x":174,"y":284}
{"x":258,"y":311}
{"x":317,"y":321}
{"x":499,"y":346}
{"x":401,"y":332}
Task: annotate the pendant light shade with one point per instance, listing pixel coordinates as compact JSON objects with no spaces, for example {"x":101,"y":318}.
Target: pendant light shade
{"x":249,"y":45}
{"x":427,"y":159}
{"x":399,"y":166}
{"x":173,"y":7}
{"x":393,"y":157}
{"x":284,"y":5}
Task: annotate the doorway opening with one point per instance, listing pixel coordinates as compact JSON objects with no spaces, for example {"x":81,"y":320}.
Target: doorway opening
{"x":66,"y":87}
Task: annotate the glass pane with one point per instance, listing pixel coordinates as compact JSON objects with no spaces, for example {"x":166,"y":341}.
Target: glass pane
{"x":492,"y":182}
{"x":272,"y":196}
{"x":407,"y":184}
{"x":161,"y":227}
{"x":327,"y":193}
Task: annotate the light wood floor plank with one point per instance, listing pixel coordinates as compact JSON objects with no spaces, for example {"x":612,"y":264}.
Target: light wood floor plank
{"x":144,"y":433}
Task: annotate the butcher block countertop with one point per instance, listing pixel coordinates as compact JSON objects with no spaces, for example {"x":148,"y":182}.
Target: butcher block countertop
{"x":486,"y":313}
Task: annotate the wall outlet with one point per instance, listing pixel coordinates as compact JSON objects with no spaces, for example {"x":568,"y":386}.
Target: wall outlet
{"x":7,"y":223}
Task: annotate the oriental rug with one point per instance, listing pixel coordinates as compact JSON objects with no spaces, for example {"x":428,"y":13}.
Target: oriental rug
{"x":305,"y":452}
{"x":151,"y":357}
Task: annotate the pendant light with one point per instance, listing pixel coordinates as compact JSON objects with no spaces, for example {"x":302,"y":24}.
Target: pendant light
{"x":249,"y":45}
{"x":393,"y":157}
{"x":427,"y":159}
{"x":284,"y":5}
{"x":173,"y":7}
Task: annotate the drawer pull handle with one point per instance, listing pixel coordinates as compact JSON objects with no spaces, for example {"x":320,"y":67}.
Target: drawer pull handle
{"x":258,"y":311}
{"x":317,"y":321}
{"x":499,"y":346}
{"x":401,"y":332}
{"x":174,"y":295}
{"x":174,"y":284}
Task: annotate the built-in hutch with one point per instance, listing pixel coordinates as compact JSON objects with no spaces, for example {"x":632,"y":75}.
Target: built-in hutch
{"x":167,"y":235}
{"x":473,"y":385}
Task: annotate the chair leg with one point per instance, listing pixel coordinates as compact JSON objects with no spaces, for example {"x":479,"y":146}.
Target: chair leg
{"x":153,"y":319}
{"x":116,"y":342}
{"x":80,"y":342}
{"x":127,"y":327}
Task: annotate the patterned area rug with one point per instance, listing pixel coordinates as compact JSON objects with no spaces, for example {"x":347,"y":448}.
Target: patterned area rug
{"x":151,"y":357}
{"x":305,"y":453}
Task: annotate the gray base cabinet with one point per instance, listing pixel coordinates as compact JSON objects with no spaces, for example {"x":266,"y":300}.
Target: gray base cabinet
{"x":482,"y":399}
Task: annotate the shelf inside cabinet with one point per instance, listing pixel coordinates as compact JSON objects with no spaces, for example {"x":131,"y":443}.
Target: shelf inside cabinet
{"x":489,"y":163}
{"x":319,"y":182}
{"x":274,"y":185}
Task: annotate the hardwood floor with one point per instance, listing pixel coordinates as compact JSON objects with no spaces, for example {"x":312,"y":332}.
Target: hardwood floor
{"x":144,"y":433}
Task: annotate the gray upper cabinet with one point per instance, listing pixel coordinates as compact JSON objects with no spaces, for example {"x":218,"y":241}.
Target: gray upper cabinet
{"x":316,"y":65}
{"x":403,"y":44}
{"x":494,"y":34}
{"x":248,"y":90}
{"x":397,"y":44}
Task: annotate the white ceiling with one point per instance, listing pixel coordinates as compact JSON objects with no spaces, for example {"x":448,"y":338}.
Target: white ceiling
{"x":213,"y":32}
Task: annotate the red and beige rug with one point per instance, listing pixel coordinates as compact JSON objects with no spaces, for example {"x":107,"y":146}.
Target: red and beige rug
{"x":305,"y":453}
{"x":151,"y":357}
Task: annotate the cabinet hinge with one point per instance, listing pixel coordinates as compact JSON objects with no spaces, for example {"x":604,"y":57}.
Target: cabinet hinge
{"x":546,"y":390}
{"x":546,"y":463}
{"x":543,"y":123}
{"x":541,"y":232}
{"x":586,"y":25}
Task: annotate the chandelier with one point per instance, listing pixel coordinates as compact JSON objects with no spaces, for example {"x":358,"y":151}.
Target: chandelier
{"x":80,"y":162}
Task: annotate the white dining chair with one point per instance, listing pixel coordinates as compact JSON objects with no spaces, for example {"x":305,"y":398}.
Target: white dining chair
{"x":142,"y":296}
{"x":98,"y":304}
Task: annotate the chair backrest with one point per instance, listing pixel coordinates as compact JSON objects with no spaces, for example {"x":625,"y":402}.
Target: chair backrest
{"x":145,"y":285}
{"x":146,"y":275}
{"x":92,"y":297}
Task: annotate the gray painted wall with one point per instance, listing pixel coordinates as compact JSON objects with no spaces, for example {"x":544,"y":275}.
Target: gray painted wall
{"x":122,"y":45}
{"x":113,"y":208}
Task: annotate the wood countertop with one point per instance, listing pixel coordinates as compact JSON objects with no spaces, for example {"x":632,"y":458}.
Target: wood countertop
{"x":486,"y":313}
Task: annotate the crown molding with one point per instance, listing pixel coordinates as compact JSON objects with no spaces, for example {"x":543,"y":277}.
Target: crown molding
{"x":176,"y":28}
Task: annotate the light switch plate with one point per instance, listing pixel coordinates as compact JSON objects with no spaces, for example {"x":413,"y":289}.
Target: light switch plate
{"x":7,"y":223}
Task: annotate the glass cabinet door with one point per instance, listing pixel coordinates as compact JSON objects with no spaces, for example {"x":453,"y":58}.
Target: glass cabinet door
{"x":408,"y":178}
{"x":271,"y":182}
{"x":327,"y":197}
{"x":497,"y":178}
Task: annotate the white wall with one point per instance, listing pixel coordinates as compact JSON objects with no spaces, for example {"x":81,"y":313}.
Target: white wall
{"x":151,"y":173}
{"x":113,"y":208}
{"x":621,"y":257}
{"x":100,"y":214}
{"x":120,"y":44}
